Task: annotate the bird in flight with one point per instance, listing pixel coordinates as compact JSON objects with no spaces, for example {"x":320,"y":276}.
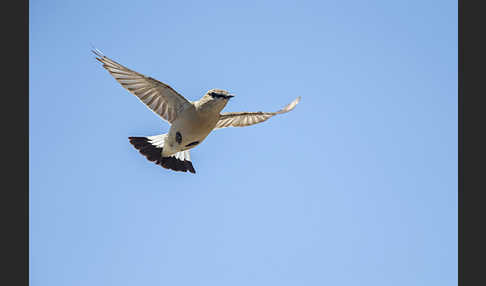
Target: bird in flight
{"x":191,"y":122}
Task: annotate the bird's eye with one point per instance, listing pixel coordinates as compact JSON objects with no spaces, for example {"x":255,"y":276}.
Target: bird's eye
{"x":215,"y":95}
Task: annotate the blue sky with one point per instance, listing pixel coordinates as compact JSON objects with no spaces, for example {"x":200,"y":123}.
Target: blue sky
{"x":356,"y":186}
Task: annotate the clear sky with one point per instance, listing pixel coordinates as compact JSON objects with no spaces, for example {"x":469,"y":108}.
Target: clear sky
{"x":356,"y":186}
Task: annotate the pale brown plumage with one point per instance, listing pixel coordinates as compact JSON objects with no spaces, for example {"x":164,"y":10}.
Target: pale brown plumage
{"x":191,"y":122}
{"x":242,"y":119}
{"x":158,"y":96}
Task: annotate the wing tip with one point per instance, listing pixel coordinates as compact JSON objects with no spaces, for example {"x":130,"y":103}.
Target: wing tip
{"x":97,"y":52}
{"x":291,"y":105}
{"x":297,"y":100}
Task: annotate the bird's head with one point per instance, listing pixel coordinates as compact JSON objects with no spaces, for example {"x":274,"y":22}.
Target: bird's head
{"x":219,"y":94}
{"x":217,"y":98}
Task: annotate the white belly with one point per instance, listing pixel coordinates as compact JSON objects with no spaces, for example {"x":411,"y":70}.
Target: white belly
{"x":190,"y":127}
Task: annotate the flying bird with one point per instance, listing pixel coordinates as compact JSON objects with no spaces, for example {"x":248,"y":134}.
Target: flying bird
{"x":191,"y":122}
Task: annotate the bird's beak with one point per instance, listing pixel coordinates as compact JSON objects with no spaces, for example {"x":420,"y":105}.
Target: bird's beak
{"x":231,"y":95}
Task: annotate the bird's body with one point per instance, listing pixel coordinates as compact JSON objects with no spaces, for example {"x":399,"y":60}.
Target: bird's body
{"x":191,"y":122}
{"x":194,"y":124}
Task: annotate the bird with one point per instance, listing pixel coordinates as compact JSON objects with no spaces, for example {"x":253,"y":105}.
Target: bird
{"x":190,"y":121}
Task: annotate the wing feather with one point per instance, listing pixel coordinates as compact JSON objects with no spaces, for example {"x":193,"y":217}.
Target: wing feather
{"x":241,"y":119}
{"x":162,"y":99}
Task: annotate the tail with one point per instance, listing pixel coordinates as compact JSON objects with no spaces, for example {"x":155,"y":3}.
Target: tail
{"x":152,"y":146}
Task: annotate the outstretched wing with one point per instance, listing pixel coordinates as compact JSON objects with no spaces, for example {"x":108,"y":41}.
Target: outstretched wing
{"x":241,"y":119}
{"x":159,"y":97}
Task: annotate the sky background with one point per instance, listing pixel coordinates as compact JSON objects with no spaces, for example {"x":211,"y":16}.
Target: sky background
{"x":356,"y":186}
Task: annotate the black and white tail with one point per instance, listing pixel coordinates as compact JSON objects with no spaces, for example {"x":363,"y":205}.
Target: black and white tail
{"x":152,"y":146}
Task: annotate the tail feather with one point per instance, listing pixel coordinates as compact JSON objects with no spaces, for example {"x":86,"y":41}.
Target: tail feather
{"x":151,"y":147}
